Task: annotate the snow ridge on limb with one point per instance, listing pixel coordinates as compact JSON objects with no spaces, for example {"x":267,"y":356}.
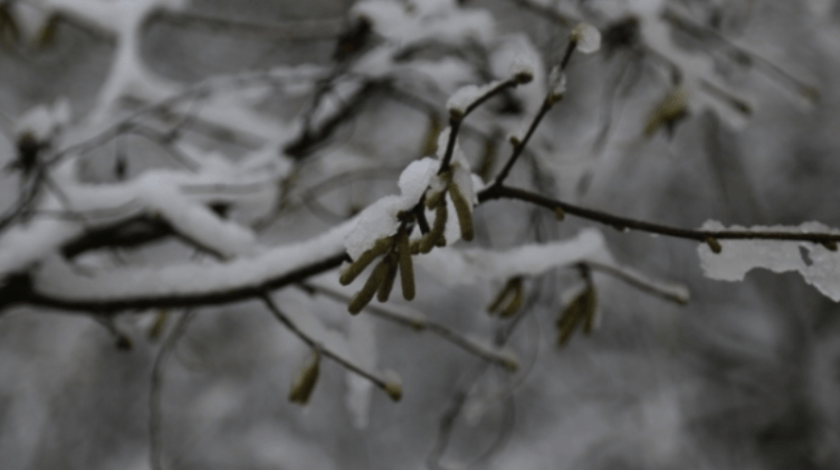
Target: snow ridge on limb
{"x":819,"y":264}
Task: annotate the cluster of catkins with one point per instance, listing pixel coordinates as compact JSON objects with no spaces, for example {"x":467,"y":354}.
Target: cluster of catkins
{"x":396,"y":250}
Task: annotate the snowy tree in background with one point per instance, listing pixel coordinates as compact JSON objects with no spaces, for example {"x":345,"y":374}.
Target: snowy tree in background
{"x":269,"y":235}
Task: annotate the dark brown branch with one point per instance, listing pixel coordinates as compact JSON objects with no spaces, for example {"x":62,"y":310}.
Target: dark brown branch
{"x":18,"y":290}
{"x":625,"y":223}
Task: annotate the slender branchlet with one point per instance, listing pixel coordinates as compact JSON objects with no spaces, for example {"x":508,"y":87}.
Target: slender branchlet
{"x":419,"y":323}
{"x":463,"y":211}
{"x":304,"y":383}
{"x":326,"y":352}
{"x":457,"y":115}
{"x":406,"y":266}
{"x":364,"y":296}
{"x":625,"y":223}
{"x":355,"y":268}
{"x":567,"y":55}
{"x":519,"y":145}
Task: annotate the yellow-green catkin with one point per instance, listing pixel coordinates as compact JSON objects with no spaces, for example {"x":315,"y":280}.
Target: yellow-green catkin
{"x":356,"y":267}
{"x":559,"y":213}
{"x":429,"y":240}
{"x":159,"y":324}
{"x":46,"y":36}
{"x":387,"y":285}
{"x":516,"y":301}
{"x":830,"y":245}
{"x":462,"y":210}
{"x":671,"y":109}
{"x":429,"y":145}
{"x":364,"y":296}
{"x":581,"y":309}
{"x":435,"y":199}
{"x":406,"y":265}
{"x":591,"y":302}
{"x":306,"y":379}
{"x":500,"y":297}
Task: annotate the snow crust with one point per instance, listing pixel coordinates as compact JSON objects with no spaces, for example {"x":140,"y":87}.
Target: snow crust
{"x":380,"y":218}
{"x":471,"y":266}
{"x":467,"y":95}
{"x":738,"y":257}
{"x":587,"y":38}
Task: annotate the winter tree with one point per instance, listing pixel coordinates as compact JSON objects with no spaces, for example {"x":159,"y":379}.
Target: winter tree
{"x":419,"y":234}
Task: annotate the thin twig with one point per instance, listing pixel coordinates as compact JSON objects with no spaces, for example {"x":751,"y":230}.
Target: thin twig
{"x":520,"y":146}
{"x":674,"y":293}
{"x":312,"y":343}
{"x":456,"y":118}
{"x":420,"y":324}
{"x":156,"y":390}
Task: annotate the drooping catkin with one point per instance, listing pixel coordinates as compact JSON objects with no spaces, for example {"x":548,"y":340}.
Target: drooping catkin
{"x":430,"y":239}
{"x":435,"y":199}
{"x":580,"y":309}
{"x":387,"y":285}
{"x":589,"y":312}
{"x":406,"y":266}
{"x":306,"y":379}
{"x":364,"y":296}
{"x":356,"y":267}
{"x":516,"y":301}
{"x":462,"y":210}
{"x":159,"y":324}
{"x":559,"y":213}
{"x":501,"y":296}
{"x":830,"y":245}
{"x":672,"y":108}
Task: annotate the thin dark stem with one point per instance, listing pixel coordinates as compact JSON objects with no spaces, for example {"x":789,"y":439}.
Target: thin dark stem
{"x":420,"y":324}
{"x":457,"y":117}
{"x":625,"y":223}
{"x":567,"y":56}
{"x":288,"y":323}
{"x":519,"y":147}
{"x":156,"y":390}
